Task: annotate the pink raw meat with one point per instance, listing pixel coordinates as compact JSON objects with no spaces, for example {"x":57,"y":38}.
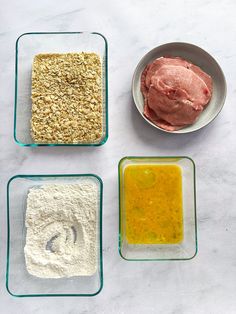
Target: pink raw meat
{"x":158,"y":63}
{"x":175,"y":92}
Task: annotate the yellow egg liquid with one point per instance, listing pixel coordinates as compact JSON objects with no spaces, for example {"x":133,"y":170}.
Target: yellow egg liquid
{"x":153,"y":204}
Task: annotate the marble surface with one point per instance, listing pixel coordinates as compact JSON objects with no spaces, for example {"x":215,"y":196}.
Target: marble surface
{"x":206,"y":284}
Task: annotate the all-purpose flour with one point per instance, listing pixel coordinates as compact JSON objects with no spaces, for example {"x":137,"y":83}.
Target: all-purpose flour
{"x":61,"y":239}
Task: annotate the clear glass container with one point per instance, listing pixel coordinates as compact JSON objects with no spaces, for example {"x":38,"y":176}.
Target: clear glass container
{"x":30,"y":44}
{"x":19,"y":282}
{"x":184,"y":250}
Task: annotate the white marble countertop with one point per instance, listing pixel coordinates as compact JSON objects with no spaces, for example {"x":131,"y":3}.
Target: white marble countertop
{"x":206,"y":284}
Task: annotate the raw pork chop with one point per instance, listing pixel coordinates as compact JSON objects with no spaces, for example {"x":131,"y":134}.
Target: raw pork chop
{"x":175,"y":92}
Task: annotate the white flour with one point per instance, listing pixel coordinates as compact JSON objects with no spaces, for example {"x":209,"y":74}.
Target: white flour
{"x":61,"y":239}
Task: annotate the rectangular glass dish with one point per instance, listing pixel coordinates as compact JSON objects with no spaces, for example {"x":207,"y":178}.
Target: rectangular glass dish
{"x":186,"y":248}
{"x":19,"y":282}
{"x":30,"y":44}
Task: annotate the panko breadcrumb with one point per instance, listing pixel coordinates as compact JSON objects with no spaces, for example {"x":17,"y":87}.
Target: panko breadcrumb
{"x":67,"y":98}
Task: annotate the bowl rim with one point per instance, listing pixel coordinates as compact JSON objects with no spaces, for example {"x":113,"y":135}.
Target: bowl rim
{"x":105,"y":137}
{"x":179,"y":43}
{"x":120,"y":214}
{"x":9,"y":236}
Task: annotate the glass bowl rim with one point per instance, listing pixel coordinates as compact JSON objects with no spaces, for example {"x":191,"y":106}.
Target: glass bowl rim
{"x":195,"y":209}
{"x":9,"y":235}
{"x":103,"y":141}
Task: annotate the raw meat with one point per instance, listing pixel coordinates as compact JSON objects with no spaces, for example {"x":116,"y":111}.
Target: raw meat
{"x":175,"y":92}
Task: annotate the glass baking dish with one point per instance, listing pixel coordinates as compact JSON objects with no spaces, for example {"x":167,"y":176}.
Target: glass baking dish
{"x":30,"y":44}
{"x":19,"y":282}
{"x":184,"y":250}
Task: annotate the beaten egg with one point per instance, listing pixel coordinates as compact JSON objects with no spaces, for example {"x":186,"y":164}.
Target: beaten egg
{"x":153,"y":203}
